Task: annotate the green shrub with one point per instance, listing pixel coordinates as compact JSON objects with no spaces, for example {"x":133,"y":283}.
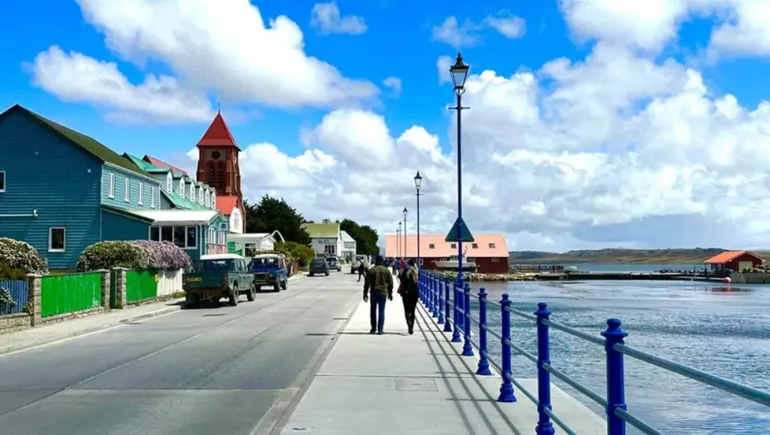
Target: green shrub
{"x":106,"y":255}
{"x":16,"y":254}
{"x":8,"y":273}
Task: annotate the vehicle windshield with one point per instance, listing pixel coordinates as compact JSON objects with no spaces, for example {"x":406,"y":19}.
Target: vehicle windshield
{"x":318,"y":262}
{"x":264,"y":262}
{"x":214,"y":265}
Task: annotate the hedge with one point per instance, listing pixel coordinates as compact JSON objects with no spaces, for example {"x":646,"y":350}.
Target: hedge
{"x":136,"y":254}
{"x":15,"y":254}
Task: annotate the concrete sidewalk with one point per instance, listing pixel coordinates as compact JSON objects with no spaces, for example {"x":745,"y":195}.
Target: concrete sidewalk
{"x":419,"y":384}
{"x":57,"y":331}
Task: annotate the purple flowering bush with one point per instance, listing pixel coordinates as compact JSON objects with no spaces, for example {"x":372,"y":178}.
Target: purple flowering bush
{"x":15,"y":254}
{"x":165,"y":255}
{"x":135,"y":254}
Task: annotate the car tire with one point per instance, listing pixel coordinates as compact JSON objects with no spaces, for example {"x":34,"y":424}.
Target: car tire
{"x":311,"y":274}
{"x":327,"y":273}
{"x":276,"y":287}
{"x":252,"y":294}
{"x":233,"y":298}
{"x":285,"y":284}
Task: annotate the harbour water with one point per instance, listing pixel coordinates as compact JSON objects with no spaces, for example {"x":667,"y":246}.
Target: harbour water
{"x":721,"y":330}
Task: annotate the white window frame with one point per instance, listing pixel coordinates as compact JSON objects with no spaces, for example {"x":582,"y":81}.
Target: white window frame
{"x":192,"y":191}
{"x":186,"y":227}
{"x":152,"y":200}
{"x":127,"y":188}
{"x":181,"y":187}
{"x":207,"y":198}
{"x":214,"y":201}
{"x":200,"y":195}
{"x":2,"y":175}
{"x":169,"y":182}
{"x":50,"y":239}
{"x":111,"y":191}
{"x":141,"y":193}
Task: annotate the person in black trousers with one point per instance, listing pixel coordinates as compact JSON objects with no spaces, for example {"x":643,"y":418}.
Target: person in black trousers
{"x":410,"y":293}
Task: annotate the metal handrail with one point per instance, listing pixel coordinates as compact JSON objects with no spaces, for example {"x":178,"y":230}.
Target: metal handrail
{"x":450,"y":303}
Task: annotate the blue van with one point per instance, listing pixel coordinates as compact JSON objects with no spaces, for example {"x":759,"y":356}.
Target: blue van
{"x":270,"y":270}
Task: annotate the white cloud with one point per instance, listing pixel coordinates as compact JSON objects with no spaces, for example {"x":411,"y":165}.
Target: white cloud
{"x":443,"y":64}
{"x":394,"y":83}
{"x":326,"y":19}
{"x":78,"y":78}
{"x":468,"y":33}
{"x":225,"y":48}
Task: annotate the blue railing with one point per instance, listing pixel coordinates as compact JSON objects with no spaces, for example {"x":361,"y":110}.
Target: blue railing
{"x":18,"y":290}
{"x":450,"y":303}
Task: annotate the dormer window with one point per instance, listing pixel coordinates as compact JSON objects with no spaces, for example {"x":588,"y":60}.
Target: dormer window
{"x":192,"y":191}
{"x":491,"y":246}
{"x":169,"y":183}
{"x":207,"y":198}
{"x":181,"y":187}
{"x":214,"y":200}
{"x":200,"y":195}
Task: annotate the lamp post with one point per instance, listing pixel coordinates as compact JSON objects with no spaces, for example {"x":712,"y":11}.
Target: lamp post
{"x":459,"y":72}
{"x":406,"y":255}
{"x":417,"y":185}
{"x":399,"y":240}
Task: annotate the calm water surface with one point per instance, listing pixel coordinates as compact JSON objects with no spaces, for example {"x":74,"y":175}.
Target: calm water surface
{"x":724,"y":331}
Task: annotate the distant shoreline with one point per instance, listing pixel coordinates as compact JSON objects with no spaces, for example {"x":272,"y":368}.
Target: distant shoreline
{"x":695,"y":256}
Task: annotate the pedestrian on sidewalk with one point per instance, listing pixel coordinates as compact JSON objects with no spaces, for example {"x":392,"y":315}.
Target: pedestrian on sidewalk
{"x":410,"y":293}
{"x":361,"y":270}
{"x":380,"y":282}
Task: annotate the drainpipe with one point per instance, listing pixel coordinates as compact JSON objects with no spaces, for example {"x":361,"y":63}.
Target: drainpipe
{"x":32,"y":215}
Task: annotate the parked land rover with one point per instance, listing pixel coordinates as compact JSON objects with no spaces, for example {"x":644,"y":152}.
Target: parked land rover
{"x":218,"y":276}
{"x":269,"y":270}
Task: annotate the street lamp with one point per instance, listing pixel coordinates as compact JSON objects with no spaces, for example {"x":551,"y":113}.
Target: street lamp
{"x":399,"y":240}
{"x":417,"y":185}
{"x":406,"y":254}
{"x":459,"y":73}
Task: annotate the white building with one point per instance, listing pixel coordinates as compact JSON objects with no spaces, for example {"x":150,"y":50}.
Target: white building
{"x":249,"y":244}
{"x":348,"y":246}
{"x":326,"y":238}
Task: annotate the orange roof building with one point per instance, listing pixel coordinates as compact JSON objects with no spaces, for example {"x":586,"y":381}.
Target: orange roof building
{"x":737,"y":261}
{"x":488,"y":251}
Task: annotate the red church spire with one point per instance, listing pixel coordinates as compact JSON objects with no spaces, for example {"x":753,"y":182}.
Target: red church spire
{"x":218,"y":135}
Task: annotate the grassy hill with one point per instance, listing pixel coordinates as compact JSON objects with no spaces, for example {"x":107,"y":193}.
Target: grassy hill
{"x":621,"y":256}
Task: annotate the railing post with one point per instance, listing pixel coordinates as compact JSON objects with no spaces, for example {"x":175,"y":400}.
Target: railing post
{"x":456,"y":314}
{"x":506,"y":390}
{"x":616,"y":394}
{"x":421,"y":286}
{"x":447,"y":306}
{"x":435,"y":300}
{"x":467,"y":346}
{"x":460,"y":296}
{"x":483,"y":366}
{"x":544,"y":425}
{"x":439,"y":302}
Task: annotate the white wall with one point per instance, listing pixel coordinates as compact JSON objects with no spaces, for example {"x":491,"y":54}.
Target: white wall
{"x":319,"y":244}
{"x":236,"y":221}
{"x":169,"y":281}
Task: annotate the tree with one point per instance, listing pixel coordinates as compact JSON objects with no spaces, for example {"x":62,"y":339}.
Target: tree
{"x":365,"y":236}
{"x":296,"y":252}
{"x":272,"y":214}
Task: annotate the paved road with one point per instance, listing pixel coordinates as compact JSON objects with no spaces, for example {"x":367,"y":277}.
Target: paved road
{"x":212,"y":371}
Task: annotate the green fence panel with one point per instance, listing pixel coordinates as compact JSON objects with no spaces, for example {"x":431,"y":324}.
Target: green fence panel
{"x":62,"y":294}
{"x":141,"y":285}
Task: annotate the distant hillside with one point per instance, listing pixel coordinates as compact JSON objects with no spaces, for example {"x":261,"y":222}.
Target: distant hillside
{"x":619,"y":256}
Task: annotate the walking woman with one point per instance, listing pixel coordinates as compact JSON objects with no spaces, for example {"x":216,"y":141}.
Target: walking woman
{"x":410,"y":293}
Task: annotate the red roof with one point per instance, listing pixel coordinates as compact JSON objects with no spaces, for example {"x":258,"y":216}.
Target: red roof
{"x":161,"y":164}
{"x":226,"y":204}
{"x":218,"y":135}
{"x":728,"y":256}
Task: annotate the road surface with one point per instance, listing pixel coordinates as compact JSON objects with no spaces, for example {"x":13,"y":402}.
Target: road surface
{"x":208,"y":371}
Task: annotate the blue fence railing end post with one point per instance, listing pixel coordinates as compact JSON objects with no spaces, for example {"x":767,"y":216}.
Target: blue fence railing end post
{"x":506,"y":389}
{"x":544,"y":425}
{"x":483,"y":366}
{"x":467,"y":346}
{"x":616,"y":394}
{"x":434,"y":299}
{"x":456,"y":314}
{"x":447,"y":306}
{"x":439,"y":303}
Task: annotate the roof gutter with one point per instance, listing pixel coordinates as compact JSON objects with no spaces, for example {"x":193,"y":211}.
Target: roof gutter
{"x":30,"y":215}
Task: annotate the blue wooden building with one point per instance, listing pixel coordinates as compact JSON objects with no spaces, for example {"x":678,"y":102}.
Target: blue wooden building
{"x":61,"y":191}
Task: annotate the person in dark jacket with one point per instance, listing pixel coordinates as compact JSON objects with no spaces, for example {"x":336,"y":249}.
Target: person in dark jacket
{"x":410,"y":281}
{"x":379,"y":282}
{"x":361,"y":271}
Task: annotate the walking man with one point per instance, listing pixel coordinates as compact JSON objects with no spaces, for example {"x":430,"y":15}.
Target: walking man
{"x":410,"y":295}
{"x":379,"y":282}
{"x":361,"y":270}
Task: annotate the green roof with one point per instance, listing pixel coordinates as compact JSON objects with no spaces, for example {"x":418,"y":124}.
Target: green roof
{"x":147,"y":167}
{"x":322,"y":230}
{"x":178,"y":202}
{"x":86,"y":143}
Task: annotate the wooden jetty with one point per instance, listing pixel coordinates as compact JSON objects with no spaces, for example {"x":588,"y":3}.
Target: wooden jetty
{"x":654,"y":276}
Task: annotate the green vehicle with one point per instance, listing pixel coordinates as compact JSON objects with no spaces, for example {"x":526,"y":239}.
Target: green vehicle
{"x":218,"y":276}
{"x":269,"y":270}
{"x":318,"y":266}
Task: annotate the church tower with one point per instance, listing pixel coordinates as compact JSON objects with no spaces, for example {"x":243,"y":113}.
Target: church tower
{"x":218,"y":167}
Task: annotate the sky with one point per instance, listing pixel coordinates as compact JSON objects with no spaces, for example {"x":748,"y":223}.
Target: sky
{"x":592,"y":123}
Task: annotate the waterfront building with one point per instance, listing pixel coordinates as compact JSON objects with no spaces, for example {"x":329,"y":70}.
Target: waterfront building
{"x":218,"y":167}
{"x":488,"y":252}
{"x":61,"y":191}
{"x":736,"y":261}
{"x":326,"y":238}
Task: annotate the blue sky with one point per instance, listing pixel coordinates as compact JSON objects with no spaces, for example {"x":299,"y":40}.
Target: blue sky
{"x":649,"y":134}
{"x":397,"y":43}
